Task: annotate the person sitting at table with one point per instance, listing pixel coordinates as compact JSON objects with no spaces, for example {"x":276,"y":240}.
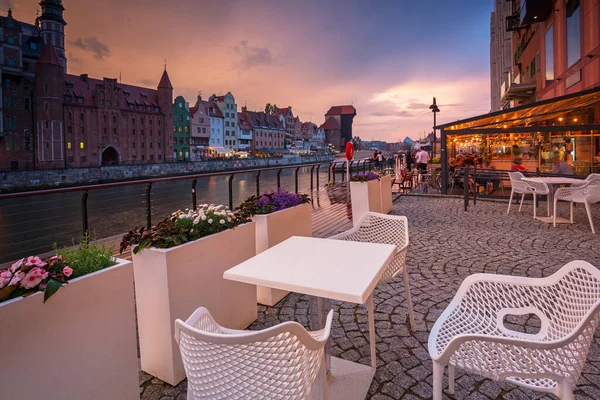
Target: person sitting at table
{"x":517,"y":165}
{"x":561,"y":167}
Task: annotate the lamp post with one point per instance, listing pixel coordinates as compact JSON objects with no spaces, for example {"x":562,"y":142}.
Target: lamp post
{"x":434,"y":109}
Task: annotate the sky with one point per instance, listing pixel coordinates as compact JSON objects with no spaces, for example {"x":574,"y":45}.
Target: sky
{"x":387,"y":57}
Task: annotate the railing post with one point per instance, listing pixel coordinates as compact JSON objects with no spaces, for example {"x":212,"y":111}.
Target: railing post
{"x":343,"y":171}
{"x":318,"y":168}
{"x":311,"y":177}
{"x":350,"y":169}
{"x":148,"y":207}
{"x":329,"y":173}
{"x":230,"y":181}
{"x":84,"y":212}
{"x":296,"y":178}
{"x":466,"y":187}
{"x":279,"y":179}
{"x":258,"y":184}
{"x":364,"y":166}
{"x":475,"y":185}
{"x":194,"y":205}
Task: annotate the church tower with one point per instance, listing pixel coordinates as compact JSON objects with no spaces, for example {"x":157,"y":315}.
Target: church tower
{"x":52,"y":27}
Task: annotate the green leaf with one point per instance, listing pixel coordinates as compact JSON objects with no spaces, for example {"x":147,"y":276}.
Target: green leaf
{"x":51,"y":287}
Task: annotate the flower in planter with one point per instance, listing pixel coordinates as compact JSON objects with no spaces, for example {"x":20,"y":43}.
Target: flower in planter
{"x":369,"y":176}
{"x":30,"y":275}
{"x":270,"y":202}
{"x":182,"y":227}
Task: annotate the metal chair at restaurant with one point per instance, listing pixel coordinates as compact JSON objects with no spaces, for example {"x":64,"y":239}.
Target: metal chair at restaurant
{"x":588,"y":194}
{"x":518,"y":186}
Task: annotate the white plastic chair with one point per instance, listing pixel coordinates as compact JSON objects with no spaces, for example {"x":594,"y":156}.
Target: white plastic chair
{"x":518,"y":186}
{"x":470,"y":334}
{"x":385,"y":229}
{"x":588,"y":194}
{"x":588,"y":178}
{"x":281,"y":362}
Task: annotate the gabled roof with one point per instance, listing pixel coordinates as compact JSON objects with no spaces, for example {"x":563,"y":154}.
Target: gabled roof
{"x":49,"y":56}
{"x":212,"y":109}
{"x":330,"y":123}
{"x":165,"y":82}
{"x":341,"y":110}
{"x":243,"y":122}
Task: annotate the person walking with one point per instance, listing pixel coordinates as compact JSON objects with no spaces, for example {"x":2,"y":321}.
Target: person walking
{"x":422,"y":158}
{"x":380,"y":160}
{"x":409,"y":161}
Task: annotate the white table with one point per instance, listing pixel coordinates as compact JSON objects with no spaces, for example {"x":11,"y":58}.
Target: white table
{"x":327,"y":269}
{"x":551,"y":181}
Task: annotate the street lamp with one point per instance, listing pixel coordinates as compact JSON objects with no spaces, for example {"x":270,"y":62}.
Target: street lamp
{"x":434,"y":109}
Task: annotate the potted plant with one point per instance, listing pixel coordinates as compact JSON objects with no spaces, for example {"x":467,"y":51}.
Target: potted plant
{"x":365,"y":194}
{"x":178,"y":266}
{"x":385,"y":183}
{"x":69,"y":321}
{"x":278,"y":216}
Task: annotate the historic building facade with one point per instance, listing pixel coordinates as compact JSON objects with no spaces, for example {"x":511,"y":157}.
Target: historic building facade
{"x":338,"y":125}
{"x":216,"y":124}
{"x":181,"y":130}
{"x":199,"y":131}
{"x":245,"y":132}
{"x":81,"y":121}
{"x":268,"y":132}
{"x":226,"y":104}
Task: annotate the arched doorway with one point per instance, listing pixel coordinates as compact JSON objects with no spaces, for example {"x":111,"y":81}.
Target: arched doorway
{"x":110,"y":156}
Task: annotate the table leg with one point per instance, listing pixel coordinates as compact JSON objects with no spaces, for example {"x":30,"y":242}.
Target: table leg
{"x":319,"y":307}
{"x":371,"y":317}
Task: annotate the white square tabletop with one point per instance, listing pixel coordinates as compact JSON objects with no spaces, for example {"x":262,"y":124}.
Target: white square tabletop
{"x":555,"y":180}
{"x":333,"y":269}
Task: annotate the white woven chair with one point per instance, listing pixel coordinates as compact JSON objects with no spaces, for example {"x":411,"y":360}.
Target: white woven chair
{"x":470,"y":334}
{"x":539,"y":188}
{"x":280,"y":363}
{"x":588,"y":178}
{"x":386,"y":229}
{"x":588,"y":194}
{"x":518,"y":186}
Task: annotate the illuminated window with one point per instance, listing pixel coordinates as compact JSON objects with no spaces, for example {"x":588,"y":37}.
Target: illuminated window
{"x":68,"y":145}
{"x":81,"y":145}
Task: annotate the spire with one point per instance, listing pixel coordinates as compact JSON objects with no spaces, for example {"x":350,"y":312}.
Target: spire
{"x":9,"y":13}
{"x":165,"y":82}
{"x":49,"y":56}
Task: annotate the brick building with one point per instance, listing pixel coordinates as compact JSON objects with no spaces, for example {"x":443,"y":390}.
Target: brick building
{"x":268,"y":132}
{"x":338,"y":125}
{"x":81,"y":121}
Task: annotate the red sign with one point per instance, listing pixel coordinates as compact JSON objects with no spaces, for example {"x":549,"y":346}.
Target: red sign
{"x":349,"y":151}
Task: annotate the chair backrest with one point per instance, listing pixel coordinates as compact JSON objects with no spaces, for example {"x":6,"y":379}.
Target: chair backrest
{"x":592,"y":191}
{"x":516,"y":182}
{"x":281,"y":362}
{"x":385,"y":229}
{"x":538,"y":187}
{"x":592,"y":177}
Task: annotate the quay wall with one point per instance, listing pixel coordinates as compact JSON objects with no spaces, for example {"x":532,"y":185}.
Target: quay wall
{"x":38,"y":179}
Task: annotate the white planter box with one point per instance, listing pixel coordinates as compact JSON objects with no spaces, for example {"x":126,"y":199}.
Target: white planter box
{"x":386,"y":193}
{"x":172,"y":283}
{"x":365,"y":197}
{"x":272,"y":229}
{"x":80,"y":344}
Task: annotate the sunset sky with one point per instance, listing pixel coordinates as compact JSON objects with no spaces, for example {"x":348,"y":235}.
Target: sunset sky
{"x":387,"y":59}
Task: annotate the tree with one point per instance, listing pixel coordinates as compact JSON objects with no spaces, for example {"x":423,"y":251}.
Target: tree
{"x":274,"y":109}
{"x":268,"y":108}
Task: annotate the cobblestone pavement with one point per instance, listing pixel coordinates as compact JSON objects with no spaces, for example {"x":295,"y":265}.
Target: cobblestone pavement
{"x":446,"y":246}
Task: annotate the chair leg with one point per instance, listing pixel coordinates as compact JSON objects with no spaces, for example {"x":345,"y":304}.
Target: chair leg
{"x":438,"y":380}
{"x":510,"y":201}
{"x":323,"y":373}
{"x":589,"y":214}
{"x":534,"y":207}
{"x":548,"y":203}
{"x":571,"y":206}
{"x":371,"y":316}
{"x":554,"y":217}
{"x":451,"y":379}
{"x":522,"y":198}
{"x":565,"y":391}
{"x":411,"y":313}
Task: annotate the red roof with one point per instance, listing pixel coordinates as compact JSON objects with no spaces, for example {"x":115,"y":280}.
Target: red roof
{"x":86,"y":88}
{"x":165,"y":82}
{"x":49,"y":56}
{"x":341,"y":110}
{"x":330,"y":123}
{"x":243,"y":122}
{"x":260,"y":119}
{"x":212,"y":109}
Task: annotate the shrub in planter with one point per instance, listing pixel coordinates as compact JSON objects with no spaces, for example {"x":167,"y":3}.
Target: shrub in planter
{"x":366,"y":177}
{"x":83,"y":296}
{"x":178,"y":266}
{"x":278,"y":216}
{"x":365,"y":194}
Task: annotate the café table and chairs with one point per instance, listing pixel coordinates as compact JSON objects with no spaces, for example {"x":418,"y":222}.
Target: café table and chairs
{"x":547,"y":185}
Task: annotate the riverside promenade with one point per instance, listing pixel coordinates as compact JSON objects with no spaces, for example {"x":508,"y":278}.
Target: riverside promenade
{"x":446,"y":246}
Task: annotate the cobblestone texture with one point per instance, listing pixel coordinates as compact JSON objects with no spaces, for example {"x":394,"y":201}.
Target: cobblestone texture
{"x":446,"y":246}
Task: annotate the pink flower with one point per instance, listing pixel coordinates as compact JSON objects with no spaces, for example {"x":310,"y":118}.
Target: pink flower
{"x":67,"y":271}
{"x":33,"y":278}
{"x":35,"y":261}
{"x":17,"y":278}
{"x":16,"y":265}
{"x":5,"y":277}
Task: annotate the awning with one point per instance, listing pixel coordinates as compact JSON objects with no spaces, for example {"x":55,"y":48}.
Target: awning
{"x":519,"y":91}
{"x":527,"y":117}
{"x":220,"y":149}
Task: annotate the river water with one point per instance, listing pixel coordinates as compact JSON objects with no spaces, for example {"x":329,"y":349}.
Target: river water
{"x":31,"y":225}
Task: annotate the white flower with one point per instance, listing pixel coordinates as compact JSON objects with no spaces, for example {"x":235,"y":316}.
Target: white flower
{"x":191,"y":231}
{"x":203,"y":217}
{"x":222,"y":221}
{"x":228,"y":219}
{"x":210,"y":221}
{"x":196,"y":221}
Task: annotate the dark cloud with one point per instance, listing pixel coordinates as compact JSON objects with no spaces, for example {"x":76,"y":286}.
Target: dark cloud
{"x":93,"y":45}
{"x":252,"y":56}
{"x":147,"y":82}
{"x":5,"y":5}
{"x":72,"y":59}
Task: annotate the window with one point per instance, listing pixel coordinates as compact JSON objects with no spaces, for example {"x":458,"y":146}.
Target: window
{"x":11,"y":102}
{"x":180,"y":140}
{"x":143,"y":157}
{"x":81,"y":145}
{"x":7,"y":83}
{"x":133,"y":145}
{"x":68,"y":99}
{"x":70,"y":159}
{"x":199,"y":130}
{"x":549,"y":45}
{"x":82,"y":159}
{"x":186,"y":129}
{"x":180,"y":118}
{"x":174,"y":128}
{"x":68,"y":145}
{"x":80,"y":100}
{"x":158,"y":145}
{"x":10,"y":121}
{"x":150,"y":144}
{"x":81,"y":130}
{"x":33,"y":45}
{"x":201,"y":120}
{"x":27,"y":85}
{"x":203,"y":130}
{"x":114,"y":131}
{"x":11,"y":40}
{"x":180,"y":130}
{"x":160,"y":157}
{"x":81,"y":117}
{"x":69,"y":129}
{"x":142,"y":145}
{"x":573,"y":32}
{"x":151,"y":157}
